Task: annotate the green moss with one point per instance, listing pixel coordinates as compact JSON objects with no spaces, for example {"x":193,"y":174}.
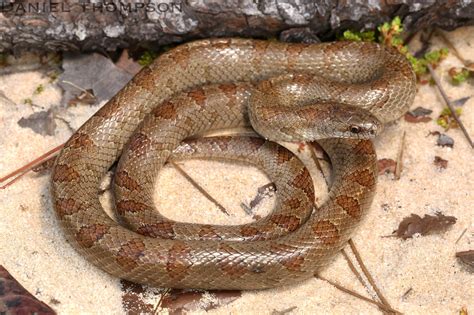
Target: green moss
{"x":53,"y":76}
{"x":368,"y":36}
{"x":28,"y":101}
{"x":147,"y":58}
{"x":39,"y":89}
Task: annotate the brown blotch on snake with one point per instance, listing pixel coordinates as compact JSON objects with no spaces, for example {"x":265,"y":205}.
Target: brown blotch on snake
{"x":372,"y":83}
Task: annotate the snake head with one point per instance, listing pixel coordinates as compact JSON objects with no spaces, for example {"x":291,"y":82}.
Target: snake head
{"x":348,"y":121}
{"x":355,"y":122}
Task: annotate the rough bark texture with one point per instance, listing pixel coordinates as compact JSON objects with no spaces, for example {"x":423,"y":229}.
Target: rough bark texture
{"x":93,"y":25}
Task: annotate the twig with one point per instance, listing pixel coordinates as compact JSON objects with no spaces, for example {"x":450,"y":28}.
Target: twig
{"x":399,"y":165}
{"x":285,"y":311}
{"x":357,"y":295}
{"x":165,"y":292}
{"x":450,"y":105}
{"x":406,"y":293}
{"x":460,"y":236}
{"x":451,"y":47}
{"x":198,"y":187}
{"x":367,"y":274}
{"x":354,"y":269}
{"x":28,"y":167}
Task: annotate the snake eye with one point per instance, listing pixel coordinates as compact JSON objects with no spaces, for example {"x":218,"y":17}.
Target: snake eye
{"x":355,"y":129}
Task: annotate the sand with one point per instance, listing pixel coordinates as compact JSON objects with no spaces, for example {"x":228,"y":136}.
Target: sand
{"x":34,"y":250}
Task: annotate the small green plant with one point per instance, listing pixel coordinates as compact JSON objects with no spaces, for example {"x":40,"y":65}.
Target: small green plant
{"x":147,"y":58}
{"x":368,"y":36}
{"x":446,"y":119}
{"x":28,"y":101}
{"x":39,"y":89}
{"x":390,"y":34}
{"x":459,"y":75}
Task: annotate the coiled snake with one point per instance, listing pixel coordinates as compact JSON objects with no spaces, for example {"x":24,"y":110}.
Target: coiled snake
{"x":224,"y":83}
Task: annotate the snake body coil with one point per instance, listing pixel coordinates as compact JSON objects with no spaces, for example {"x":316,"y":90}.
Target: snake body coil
{"x":223,"y":83}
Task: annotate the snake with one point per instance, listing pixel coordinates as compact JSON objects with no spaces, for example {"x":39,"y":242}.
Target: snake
{"x":339,"y":94}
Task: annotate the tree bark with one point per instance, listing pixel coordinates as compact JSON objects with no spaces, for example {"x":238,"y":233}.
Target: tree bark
{"x":107,"y":25}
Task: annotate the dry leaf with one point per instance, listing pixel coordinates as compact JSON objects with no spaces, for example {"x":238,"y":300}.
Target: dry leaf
{"x":427,"y":225}
{"x":14,"y":299}
{"x":461,"y":101}
{"x":91,"y":72}
{"x":417,"y":115}
{"x":181,"y":301}
{"x":467,"y":258}
{"x":386,"y":166}
{"x":133,"y":298}
{"x":263,"y":192}
{"x":86,"y":97}
{"x":40,"y":122}
{"x":128,"y":64}
{"x":443,"y":139}
{"x":440,"y":162}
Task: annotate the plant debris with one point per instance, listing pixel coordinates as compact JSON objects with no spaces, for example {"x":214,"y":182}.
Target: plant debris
{"x":40,"y":122}
{"x":461,"y":101}
{"x":467,"y":259}
{"x":127,"y":63}
{"x":440,"y":162}
{"x":86,"y":97}
{"x":91,"y":73}
{"x":14,"y":299}
{"x":45,"y":166}
{"x":446,"y":119}
{"x":133,"y":298}
{"x":429,"y":224}
{"x":181,"y":301}
{"x":460,"y":75}
{"x":417,"y":115}
{"x":285,"y":311}
{"x":443,"y":139}
{"x":263,"y":192}
{"x":386,"y":166}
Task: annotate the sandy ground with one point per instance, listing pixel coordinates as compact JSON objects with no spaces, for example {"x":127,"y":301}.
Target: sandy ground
{"x":36,"y":253}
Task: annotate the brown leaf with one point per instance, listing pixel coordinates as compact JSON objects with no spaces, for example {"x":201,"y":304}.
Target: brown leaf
{"x":386,"y":166}
{"x":133,"y":298}
{"x":128,"y":64}
{"x":417,"y":115}
{"x":467,"y":258}
{"x":429,"y":224}
{"x":14,"y":299}
{"x":440,"y":162}
{"x":181,"y":301}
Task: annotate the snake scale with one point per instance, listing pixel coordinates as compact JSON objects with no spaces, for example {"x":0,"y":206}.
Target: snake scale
{"x":344,"y":92}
